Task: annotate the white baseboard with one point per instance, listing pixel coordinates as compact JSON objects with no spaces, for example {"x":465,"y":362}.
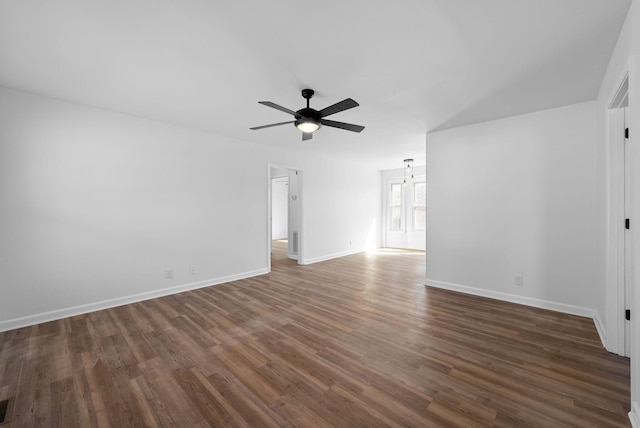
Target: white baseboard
{"x":57,"y":314}
{"x":331,"y":256}
{"x":634,"y":414}
{"x":523,"y":300}
{"x":602,"y":332}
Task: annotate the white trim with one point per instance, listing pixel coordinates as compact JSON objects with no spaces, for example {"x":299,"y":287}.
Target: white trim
{"x":602,"y":332}
{"x":634,"y":125}
{"x":621,"y":88}
{"x":269,"y":215}
{"x":523,"y":300}
{"x":634,"y":415}
{"x":332,"y":256}
{"x":29,"y":320}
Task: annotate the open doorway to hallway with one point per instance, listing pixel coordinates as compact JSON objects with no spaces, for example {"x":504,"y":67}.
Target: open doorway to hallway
{"x":285,"y":215}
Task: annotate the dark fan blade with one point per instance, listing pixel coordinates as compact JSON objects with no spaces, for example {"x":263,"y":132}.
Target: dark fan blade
{"x":338,"y":107}
{"x":273,"y":124}
{"x":277,"y":107}
{"x":342,"y":125}
{"x":307,"y":136}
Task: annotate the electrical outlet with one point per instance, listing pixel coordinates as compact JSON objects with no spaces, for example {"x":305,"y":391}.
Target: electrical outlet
{"x":192,"y":270}
{"x":168,"y":273}
{"x":519,"y":280}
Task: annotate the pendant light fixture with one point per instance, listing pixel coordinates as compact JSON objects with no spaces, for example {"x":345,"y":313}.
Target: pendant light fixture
{"x":408,"y":170}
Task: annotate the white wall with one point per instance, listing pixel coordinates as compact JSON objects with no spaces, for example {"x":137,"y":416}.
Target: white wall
{"x":95,"y":205}
{"x":279,"y":208}
{"x":627,"y":50}
{"x":335,"y":193}
{"x":511,"y":197}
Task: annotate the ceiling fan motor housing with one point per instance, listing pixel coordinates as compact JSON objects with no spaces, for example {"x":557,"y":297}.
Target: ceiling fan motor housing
{"x":307,"y":115}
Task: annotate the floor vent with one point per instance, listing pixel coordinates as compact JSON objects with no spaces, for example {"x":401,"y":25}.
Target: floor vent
{"x":5,"y":411}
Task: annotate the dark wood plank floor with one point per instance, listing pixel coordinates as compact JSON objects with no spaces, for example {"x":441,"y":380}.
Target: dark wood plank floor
{"x":356,"y":341}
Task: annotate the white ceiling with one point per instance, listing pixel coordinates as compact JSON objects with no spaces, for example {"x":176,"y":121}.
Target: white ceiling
{"x":414,"y":66}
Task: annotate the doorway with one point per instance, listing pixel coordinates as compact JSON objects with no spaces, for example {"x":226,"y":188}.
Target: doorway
{"x":404,"y":210}
{"x":284,"y":214}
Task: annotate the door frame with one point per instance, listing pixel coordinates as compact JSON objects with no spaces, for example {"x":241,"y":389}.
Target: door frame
{"x":270,"y":166}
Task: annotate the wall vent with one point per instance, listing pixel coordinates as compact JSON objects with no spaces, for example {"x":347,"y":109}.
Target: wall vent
{"x":5,"y":411}
{"x":295,"y":242}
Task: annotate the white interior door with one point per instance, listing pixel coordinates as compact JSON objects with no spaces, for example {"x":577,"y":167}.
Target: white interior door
{"x":619,"y":261}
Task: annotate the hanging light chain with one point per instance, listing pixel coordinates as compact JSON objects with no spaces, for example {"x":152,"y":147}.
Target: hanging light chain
{"x":408,"y":169}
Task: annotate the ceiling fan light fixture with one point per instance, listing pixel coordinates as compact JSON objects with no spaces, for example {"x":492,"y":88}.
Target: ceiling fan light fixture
{"x":307,"y":125}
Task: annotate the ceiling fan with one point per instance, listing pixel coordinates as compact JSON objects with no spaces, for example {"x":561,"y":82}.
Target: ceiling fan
{"x":309,"y":120}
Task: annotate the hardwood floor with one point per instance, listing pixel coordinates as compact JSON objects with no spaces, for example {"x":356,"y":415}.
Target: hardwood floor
{"x":356,"y":341}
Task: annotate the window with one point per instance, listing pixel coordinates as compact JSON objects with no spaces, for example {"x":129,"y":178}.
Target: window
{"x":419,"y":206}
{"x":404,"y":211}
{"x":395,"y":207}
